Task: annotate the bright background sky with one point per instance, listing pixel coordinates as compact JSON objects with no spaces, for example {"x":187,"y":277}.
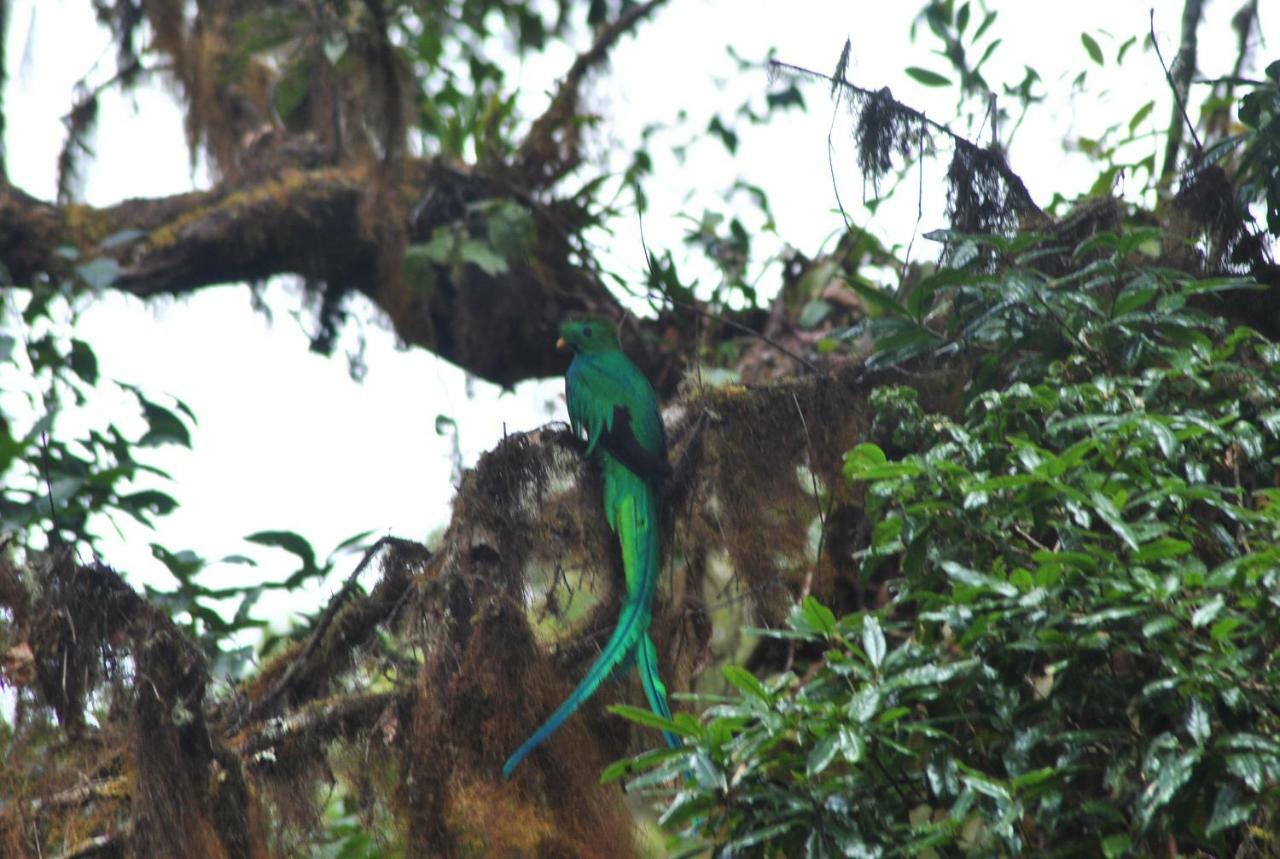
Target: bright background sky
{"x":286,"y":440}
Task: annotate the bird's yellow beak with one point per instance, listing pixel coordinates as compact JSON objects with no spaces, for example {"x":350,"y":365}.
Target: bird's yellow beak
{"x":562,"y":343}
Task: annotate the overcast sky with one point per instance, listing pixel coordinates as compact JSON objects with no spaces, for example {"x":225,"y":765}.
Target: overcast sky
{"x":286,"y":440}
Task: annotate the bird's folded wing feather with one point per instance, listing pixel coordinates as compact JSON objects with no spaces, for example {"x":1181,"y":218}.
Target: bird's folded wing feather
{"x":612,"y":402}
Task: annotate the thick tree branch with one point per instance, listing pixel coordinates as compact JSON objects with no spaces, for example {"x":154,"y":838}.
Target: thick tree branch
{"x":316,"y":223}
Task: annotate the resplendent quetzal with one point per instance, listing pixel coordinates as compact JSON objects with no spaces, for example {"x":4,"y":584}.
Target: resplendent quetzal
{"x":613,"y":403}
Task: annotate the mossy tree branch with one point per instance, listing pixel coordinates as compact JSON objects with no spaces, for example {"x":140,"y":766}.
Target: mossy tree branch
{"x":311,"y":222}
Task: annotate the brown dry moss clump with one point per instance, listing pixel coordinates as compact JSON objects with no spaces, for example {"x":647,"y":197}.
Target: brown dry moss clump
{"x":148,"y":777}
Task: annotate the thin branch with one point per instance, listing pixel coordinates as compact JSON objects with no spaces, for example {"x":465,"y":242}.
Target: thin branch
{"x":1185,"y":63}
{"x":738,"y":326}
{"x":992,"y":158}
{"x":915,"y":228}
{"x":817,"y":498}
{"x":707,"y":314}
{"x":837,"y":93}
{"x":863,"y":91}
{"x":541,"y":157}
{"x":297,"y":666}
{"x":4,"y":80}
{"x":807,"y":587}
{"x":96,"y":845}
{"x":340,"y":714}
{"x":116,"y":787}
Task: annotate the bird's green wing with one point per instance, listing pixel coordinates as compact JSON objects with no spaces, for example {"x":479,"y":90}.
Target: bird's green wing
{"x":612,"y":404}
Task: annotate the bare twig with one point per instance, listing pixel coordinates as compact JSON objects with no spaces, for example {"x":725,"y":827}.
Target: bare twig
{"x":1030,"y":539}
{"x":296,"y":666}
{"x":838,"y":93}
{"x":708,"y":314}
{"x":321,"y":717}
{"x":1185,"y":63}
{"x":817,"y":497}
{"x":116,"y":787}
{"x":822,"y":522}
{"x":98,"y":844}
{"x":540,"y":155}
{"x":738,"y":326}
{"x":915,"y":228}
{"x":4,"y":30}
{"x":991,"y":158}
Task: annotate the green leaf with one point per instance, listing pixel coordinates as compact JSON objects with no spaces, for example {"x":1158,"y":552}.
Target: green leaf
{"x":1135,"y":296}
{"x":1091,"y":48}
{"x":822,"y":754}
{"x":852,"y":745}
{"x":1170,"y":777}
{"x":818,"y":617}
{"x":98,"y":273}
{"x":1207,"y":612}
{"x":987,"y":21}
{"x":973,"y":578}
{"x":1159,"y":625}
{"x":1116,"y":845}
{"x":1141,"y":114}
{"x":812,"y":314}
{"x":866,"y":453}
{"x":83,"y":362}
{"x":868,"y":462}
{"x":1162,"y":549}
{"x":864,"y":704}
{"x":756,"y":836}
{"x":879,"y":300}
{"x":747,"y":682}
{"x":929,"y":675}
{"x":927,"y":77}
{"x":639,"y":763}
{"x":290,"y":542}
{"x":1222,"y":630}
{"x":147,"y":502}
{"x":1230,"y":809}
{"x":648,"y":719}
{"x":418,"y":267}
{"x":441,"y":248}
{"x":1198,"y":722}
{"x":183,"y":565}
{"x":873,"y":643}
{"x":1108,"y":512}
{"x":483,"y":256}
{"x":1032,"y":778}
{"x":164,"y":427}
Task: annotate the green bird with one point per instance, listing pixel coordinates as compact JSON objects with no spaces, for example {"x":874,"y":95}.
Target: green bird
{"x":613,"y":404}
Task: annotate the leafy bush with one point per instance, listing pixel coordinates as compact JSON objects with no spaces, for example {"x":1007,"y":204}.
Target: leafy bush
{"x":1079,"y":658}
{"x":63,"y":472}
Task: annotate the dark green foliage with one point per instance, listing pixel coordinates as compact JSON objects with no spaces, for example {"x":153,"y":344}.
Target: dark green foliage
{"x":62,"y":477}
{"x":1079,"y":657}
{"x":63,"y":483}
{"x":1260,"y":163}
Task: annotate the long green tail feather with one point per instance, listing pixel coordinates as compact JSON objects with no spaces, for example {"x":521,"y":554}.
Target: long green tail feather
{"x":654,"y":689}
{"x":632,"y":624}
{"x":631,"y":506}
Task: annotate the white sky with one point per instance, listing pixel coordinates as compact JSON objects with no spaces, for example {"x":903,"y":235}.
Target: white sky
{"x":287,"y":441}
